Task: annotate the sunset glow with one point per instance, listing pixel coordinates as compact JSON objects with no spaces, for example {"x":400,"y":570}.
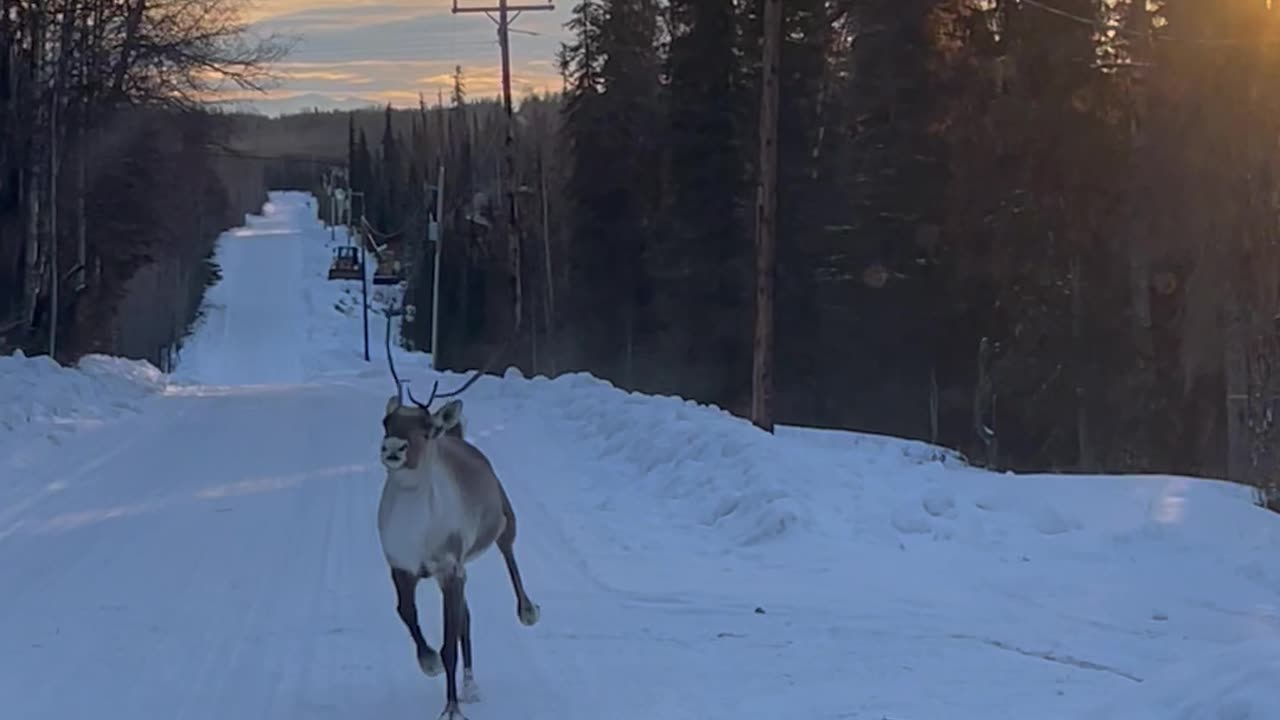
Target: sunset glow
{"x":392,"y":50}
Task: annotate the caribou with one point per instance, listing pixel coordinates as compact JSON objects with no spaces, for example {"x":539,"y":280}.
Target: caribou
{"x":442,"y":506}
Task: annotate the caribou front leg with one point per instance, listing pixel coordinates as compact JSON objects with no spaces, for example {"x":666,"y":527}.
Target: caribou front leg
{"x":452,"y":583}
{"x":407,"y":607}
{"x":470,"y":691}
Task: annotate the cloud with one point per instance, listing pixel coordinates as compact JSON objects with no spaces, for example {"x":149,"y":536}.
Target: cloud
{"x":487,"y":81}
{"x":345,"y":19}
{"x":390,"y":50}
{"x":334,"y":76}
{"x":322,"y":11}
{"x":384,"y":78}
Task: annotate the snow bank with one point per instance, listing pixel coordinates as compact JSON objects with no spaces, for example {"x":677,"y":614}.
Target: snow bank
{"x":703,"y":466}
{"x":873,"y":448}
{"x":335,"y":333}
{"x":706,"y":468}
{"x":1102,"y":515}
{"x":39,"y":391}
{"x":1235,"y":683}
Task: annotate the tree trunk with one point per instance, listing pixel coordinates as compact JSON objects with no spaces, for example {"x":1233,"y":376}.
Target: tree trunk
{"x":133,"y":25}
{"x":766,"y":222}
{"x":984,"y":399}
{"x":1079,"y":348}
{"x":34,"y":176}
{"x":53,"y":224}
{"x":1252,"y":361}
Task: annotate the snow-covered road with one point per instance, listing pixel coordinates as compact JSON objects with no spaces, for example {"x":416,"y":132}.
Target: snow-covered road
{"x":204,"y":547}
{"x":216,"y":558}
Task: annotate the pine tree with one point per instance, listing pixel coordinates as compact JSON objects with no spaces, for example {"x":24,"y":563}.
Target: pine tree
{"x":392,"y":196}
{"x":362,"y":176}
{"x":458,"y":95}
{"x":702,"y":263}
{"x":585,"y":138}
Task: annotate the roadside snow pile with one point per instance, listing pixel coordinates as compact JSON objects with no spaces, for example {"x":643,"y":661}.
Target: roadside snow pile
{"x":38,"y":390}
{"x":1235,"y":683}
{"x":706,"y":467}
{"x":335,"y":323}
{"x":876,"y":449}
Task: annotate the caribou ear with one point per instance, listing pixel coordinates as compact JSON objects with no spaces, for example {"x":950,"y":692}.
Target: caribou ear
{"x":393,"y":404}
{"x":449,"y":415}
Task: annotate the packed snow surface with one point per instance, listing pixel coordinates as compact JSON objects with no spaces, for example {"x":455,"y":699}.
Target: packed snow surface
{"x":203,"y":546}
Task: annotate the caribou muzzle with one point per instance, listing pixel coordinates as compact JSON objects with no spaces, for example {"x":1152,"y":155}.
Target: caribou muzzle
{"x":395,"y":452}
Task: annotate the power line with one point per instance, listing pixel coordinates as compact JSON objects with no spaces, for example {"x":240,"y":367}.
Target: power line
{"x":385,"y":54}
{"x":1063,"y":13}
{"x":1119,"y":30}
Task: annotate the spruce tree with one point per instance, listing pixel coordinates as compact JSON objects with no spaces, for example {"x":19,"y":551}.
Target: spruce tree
{"x":702,"y":262}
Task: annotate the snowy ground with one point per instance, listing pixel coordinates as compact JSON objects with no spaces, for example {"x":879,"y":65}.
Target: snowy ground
{"x":203,"y":547}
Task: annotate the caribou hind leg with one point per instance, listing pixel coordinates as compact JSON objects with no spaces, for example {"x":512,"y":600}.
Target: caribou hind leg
{"x":526,"y":609}
{"x":407,"y":607}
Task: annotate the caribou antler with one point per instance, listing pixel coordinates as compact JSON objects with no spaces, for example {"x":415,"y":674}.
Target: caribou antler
{"x":474,"y":375}
{"x":425,"y":405}
{"x":435,"y":386}
{"x":392,"y":363}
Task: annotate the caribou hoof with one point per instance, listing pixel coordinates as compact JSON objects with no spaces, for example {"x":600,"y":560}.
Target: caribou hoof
{"x":470,"y":692}
{"x":451,"y":712}
{"x":529,"y":614}
{"x":430,"y":663}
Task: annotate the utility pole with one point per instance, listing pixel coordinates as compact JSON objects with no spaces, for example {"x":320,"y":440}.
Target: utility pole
{"x":364,"y":276}
{"x":546,"y":256}
{"x":53,"y":226}
{"x":508,"y":181}
{"x":766,"y":222}
{"x":331,"y":187}
{"x":435,"y":273}
{"x":344,"y":213}
{"x":328,"y":193}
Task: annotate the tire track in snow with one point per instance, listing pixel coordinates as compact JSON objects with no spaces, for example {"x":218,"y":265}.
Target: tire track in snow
{"x":93,"y":450}
{"x":197,"y":589}
{"x":1049,"y":656}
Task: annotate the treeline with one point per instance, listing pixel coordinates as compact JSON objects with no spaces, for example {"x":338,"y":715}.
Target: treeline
{"x":114,"y":180}
{"x":1043,"y":233}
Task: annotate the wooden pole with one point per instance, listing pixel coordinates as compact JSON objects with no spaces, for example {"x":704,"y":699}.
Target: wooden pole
{"x":53,"y":224}
{"x":766,"y":222}
{"x":507,"y":180}
{"x":435,"y":273}
{"x":364,"y":275}
{"x":87,"y":68}
{"x":546,"y":256}
{"x":32,"y":181}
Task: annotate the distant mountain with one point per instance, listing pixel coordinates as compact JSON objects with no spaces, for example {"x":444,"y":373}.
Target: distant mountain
{"x":294,"y":104}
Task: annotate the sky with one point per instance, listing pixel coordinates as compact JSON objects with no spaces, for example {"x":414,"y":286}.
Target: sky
{"x":391,"y":50}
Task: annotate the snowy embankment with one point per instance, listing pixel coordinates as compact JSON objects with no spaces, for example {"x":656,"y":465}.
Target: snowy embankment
{"x":1056,"y":594}
{"x":817,"y":573}
{"x":41,"y":399}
